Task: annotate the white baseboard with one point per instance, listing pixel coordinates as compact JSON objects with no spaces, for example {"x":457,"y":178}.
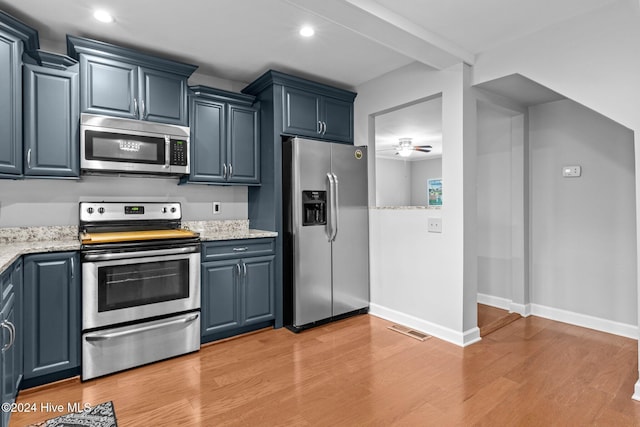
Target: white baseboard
{"x":523,"y":310}
{"x":636,"y":391}
{"x":585,"y":321}
{"x":497,"y":302}
{"x":461,"y":339}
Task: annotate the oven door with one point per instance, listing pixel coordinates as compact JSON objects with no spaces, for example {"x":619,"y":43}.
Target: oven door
{"x":121,"y":287}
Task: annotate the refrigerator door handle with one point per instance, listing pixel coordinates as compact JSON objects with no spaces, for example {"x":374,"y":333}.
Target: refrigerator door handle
{"x":330,"y":225}
{"x":334,"y":207}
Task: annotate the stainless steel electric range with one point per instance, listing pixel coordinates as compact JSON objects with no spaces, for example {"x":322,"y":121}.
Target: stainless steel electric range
{"x":140,"y":285}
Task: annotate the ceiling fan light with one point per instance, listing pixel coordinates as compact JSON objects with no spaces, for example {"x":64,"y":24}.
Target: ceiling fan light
{"x":404,"y":152}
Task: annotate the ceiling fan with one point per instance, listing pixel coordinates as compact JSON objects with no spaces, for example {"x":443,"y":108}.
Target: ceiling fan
{"x":405,"y":147}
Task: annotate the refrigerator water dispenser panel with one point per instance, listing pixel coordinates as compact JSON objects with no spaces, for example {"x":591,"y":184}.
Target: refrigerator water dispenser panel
{"x":314,"y":209}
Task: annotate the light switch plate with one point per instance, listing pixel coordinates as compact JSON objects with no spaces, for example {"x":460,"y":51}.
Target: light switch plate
{"x":434,"y":225}
{"x":571,"y":171}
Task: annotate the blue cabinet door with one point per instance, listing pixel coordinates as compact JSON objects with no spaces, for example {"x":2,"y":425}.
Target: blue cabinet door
{"x":51,"y":120}
{"x":8,"y":358}
{"x":11,"y":105}
{"x":108,"y":87}
{"x":208,"y":145}
{"x":16,"y":279}
{"x":259,"y":291}
{"x":338,"y":119}
{"x":301,"y":115}
{"x":243,"y":146}
{"x":51,"y":313}
{"x":220,"y":297}
{"x":11,"y":335}
{"x":164,"y":97}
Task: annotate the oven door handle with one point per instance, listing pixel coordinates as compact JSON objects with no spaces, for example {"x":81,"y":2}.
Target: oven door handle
{"x":121,"y":334}
{"x":135,"y":254}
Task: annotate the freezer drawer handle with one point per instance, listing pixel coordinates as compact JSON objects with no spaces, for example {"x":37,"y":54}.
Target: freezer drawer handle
{"x":120,"y":334}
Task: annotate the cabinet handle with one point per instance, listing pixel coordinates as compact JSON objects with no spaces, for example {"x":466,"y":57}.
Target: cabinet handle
{"x":319,"y":128}
{"x":244,"y":269}
{"x":324,"y":127}
{"x":13,"y":334}
{"x":5,"y":325}
{"x":241,"y":249}
{"x":29,"y":158}
{"x":135,"y":107}
{"x":142,"y":110}
{"x":238,"y":268}
{"x":230,"y":170}
{"x":224,"y":171}
{"x":72,"y":269}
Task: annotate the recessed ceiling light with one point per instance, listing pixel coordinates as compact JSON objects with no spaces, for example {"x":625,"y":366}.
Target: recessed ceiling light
{"x":307,"y":31}
{"x":103,"y":16}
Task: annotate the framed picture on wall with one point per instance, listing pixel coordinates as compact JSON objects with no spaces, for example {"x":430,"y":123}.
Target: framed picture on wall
{"x":434,"y":192}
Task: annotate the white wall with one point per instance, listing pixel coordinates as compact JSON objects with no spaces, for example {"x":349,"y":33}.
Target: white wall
{"x":404,"y":183}
{"x":32,"y":202}
{"x":438,"y":294}
{"x":393,"y":182}
{"x":583,"y":230}
{"x":421,"y":172}
{"x":494,"y":202}
{"x":592,"y":59}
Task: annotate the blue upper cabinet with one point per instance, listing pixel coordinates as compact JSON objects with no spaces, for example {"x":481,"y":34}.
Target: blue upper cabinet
{"x":108,"y":87}
{"x":243,"y":146}
{"x":15,"y":38}
{"x":308,"y":113}
{"x":122,"y":82}
{"x":309,"y":108}
{"x":51,"y":117}
{"x":225,"y":138}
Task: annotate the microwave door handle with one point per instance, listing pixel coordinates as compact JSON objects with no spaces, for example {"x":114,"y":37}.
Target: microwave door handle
{"x":167,"y":151}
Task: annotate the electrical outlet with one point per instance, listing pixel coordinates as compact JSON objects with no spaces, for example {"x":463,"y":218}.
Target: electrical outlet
{"x":217,"y":208}
{"x":434,"y":225}
{"x":571,"y":171}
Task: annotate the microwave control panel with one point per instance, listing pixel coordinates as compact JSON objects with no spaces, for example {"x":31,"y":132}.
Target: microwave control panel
{"x":178,"y":152}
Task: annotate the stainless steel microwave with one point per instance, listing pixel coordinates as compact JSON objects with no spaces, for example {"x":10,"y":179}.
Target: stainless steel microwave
{"x":113,"y":144}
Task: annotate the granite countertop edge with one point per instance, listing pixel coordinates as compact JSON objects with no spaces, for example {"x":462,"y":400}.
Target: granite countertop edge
{"x":11,"y":251}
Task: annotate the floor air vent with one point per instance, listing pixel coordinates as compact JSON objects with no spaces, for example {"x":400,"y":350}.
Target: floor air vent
{"x":420,"y":336}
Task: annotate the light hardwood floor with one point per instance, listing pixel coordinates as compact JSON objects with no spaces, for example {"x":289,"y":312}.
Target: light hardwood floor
{"x":490,"y":319}
{"x":357,"y":372}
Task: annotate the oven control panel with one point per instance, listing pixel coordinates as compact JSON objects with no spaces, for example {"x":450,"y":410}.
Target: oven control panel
{"x":117,"y":211}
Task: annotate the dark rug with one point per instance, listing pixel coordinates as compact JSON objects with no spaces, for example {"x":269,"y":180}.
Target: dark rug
{"x":102,"y":415}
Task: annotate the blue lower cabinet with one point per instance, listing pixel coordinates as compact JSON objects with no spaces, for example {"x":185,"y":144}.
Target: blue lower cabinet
{"x":220,"y":297}
{"x":10,"y":336}
{"x":52,"y":326}
{"x":238,"y":287}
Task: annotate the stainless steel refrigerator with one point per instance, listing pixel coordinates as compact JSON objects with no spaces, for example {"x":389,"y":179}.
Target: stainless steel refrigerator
{"x":326,"y":232}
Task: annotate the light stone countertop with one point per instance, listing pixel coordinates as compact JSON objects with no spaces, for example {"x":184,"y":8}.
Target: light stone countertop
{"x":226,"y":230}
{"x":18,"y":241}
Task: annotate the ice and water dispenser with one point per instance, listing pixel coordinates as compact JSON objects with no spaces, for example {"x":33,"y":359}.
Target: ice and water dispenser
{"x":314,"y":208}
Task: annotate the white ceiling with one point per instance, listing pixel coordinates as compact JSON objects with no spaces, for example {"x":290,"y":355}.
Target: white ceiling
{"x":356,"y":40}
